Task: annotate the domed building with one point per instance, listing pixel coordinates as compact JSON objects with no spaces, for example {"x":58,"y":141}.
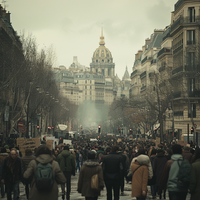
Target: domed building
{"x":102,"y":61}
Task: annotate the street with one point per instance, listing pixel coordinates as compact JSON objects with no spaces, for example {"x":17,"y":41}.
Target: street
{"x":75,"y":195}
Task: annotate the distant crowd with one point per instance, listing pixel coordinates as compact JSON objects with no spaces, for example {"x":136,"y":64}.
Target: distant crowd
{"x":108,"y":163}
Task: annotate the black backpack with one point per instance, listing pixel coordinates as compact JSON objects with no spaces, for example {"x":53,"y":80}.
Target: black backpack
{"x":184,"y":175}
{"x":44,"y":177}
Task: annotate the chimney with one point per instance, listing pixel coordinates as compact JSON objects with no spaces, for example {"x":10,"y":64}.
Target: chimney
{"x":147,"y":42}
{"x":140,"y":53}
{"x":8,"y":17}
{"x":136,"y":56}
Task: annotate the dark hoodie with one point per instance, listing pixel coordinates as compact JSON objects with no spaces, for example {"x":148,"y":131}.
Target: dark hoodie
{"x":66,"y":161}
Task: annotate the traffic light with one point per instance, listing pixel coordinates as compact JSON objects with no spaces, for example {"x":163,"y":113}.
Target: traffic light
{"x":60,"y":140}
{"x":119,"y":129}
{"x":81,"y":130}
{"x":99,"y":129}
{"x":192,"y":130}
{"x":130,"y":131}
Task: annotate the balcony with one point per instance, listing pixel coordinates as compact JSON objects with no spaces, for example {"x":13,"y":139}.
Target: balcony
{"x":177,"y":70}
{"x":178,"y":113}
{"x":195,"y":93}
{"x":163,"y":50}
{"x":178,"y":49}
{"x":177,"y":94}
{"x":167,"y":36}
{"x":144,"y":60}
{"x":134,"y":72}
{"x":190,"y":42}
{"x":143,"y":74}
{"x":143,"y":88}
{"x":153,"y":61}
{"x":178,"y":4}
{"x":185,"y":21}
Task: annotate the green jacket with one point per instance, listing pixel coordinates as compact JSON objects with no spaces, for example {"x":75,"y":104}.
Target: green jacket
{"x":195,"y":180}
{"x":66,"y":158}
{"x":173,"y":173}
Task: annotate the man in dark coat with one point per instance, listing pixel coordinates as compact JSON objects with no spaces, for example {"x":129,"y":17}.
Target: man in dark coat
{"x":3,"y":155}
{"x":67,"y":165}
{"x":159,"y":165}
{"x":113,"y":170}
{"x":11,"y":176}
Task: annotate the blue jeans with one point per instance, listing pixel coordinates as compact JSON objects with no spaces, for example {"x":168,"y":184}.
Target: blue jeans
{"x":12,"y":187}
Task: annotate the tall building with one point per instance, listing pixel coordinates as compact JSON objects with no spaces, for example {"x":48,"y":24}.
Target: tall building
{"x":173,"y":55}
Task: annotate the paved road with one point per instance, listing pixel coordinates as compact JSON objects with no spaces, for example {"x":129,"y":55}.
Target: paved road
{"x":76,"y":196}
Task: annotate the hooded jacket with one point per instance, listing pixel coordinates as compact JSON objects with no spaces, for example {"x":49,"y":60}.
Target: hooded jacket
{"x":141,"y":158}
{"x":173,"y":173}
{"x":90,"y":168}
{"x":139,"y":169}
{"x":58,"y":176}
{"x":66,"y":161}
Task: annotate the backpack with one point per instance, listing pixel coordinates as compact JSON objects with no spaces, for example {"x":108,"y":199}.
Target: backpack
{"x":44,"y":177}
{"x":100,"y":156}
{"x":184,"y":175}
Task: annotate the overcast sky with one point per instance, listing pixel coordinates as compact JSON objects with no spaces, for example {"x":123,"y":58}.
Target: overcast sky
{"x":73,"y":27}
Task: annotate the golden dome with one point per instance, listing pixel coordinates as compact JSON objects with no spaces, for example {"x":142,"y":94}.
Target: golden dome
{"x":102,"y":54}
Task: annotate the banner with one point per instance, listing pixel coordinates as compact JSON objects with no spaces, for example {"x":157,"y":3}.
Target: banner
{"x":49,"y":144}
{"x":67,"y":141}
{"x":30,"y":143}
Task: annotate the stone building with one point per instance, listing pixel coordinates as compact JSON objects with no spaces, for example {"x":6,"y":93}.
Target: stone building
{"x":172,"y":55}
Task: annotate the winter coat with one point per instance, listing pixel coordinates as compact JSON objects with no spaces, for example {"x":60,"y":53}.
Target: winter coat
{"x":68,"y":158}
{"x":195,"y":180}
{"x":26,"y":160}
{"x":3,"y":156}
{"x":159,"y":165}
{"x":58,"y":176}
{"x":187,"y":156}
{"x":139,"y":176}
{"x":113,"y":167}
{"x":89,"y":169}
{"x":11,"y":175}
{"x":140,"y":157}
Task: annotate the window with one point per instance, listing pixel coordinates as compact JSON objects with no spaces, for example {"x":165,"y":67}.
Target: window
{"x":90,"y":87}
{"x":103,"y":72}
{"x":85,"y":87}
{"x":190,"y":37}
{"x":85,"y":81}
{"x":191,"y":60}
{"x":97,"y":61}
{"x":191,"y":85}
{"x":192,"y":110}
{"x":191,"y":14}
{"x":90,"y":93}
{"x":85,"y":93}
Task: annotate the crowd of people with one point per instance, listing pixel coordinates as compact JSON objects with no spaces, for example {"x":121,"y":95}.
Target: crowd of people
{"x":111,"y":161}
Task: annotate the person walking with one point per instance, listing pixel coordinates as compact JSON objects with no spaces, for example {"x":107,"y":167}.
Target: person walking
{"x":158,"y":167}
{"x":67,"y":165}
{"x":3,"y":155}
{"x":113,"y":171}
{"x":44,"y":156}
{"x":139,"y":169}
{"x":170,"y":175}
{"x":195,"y":177}
{"x":25,"y":161}
{"x":11,"y":174}
{"x":90,"y":168}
